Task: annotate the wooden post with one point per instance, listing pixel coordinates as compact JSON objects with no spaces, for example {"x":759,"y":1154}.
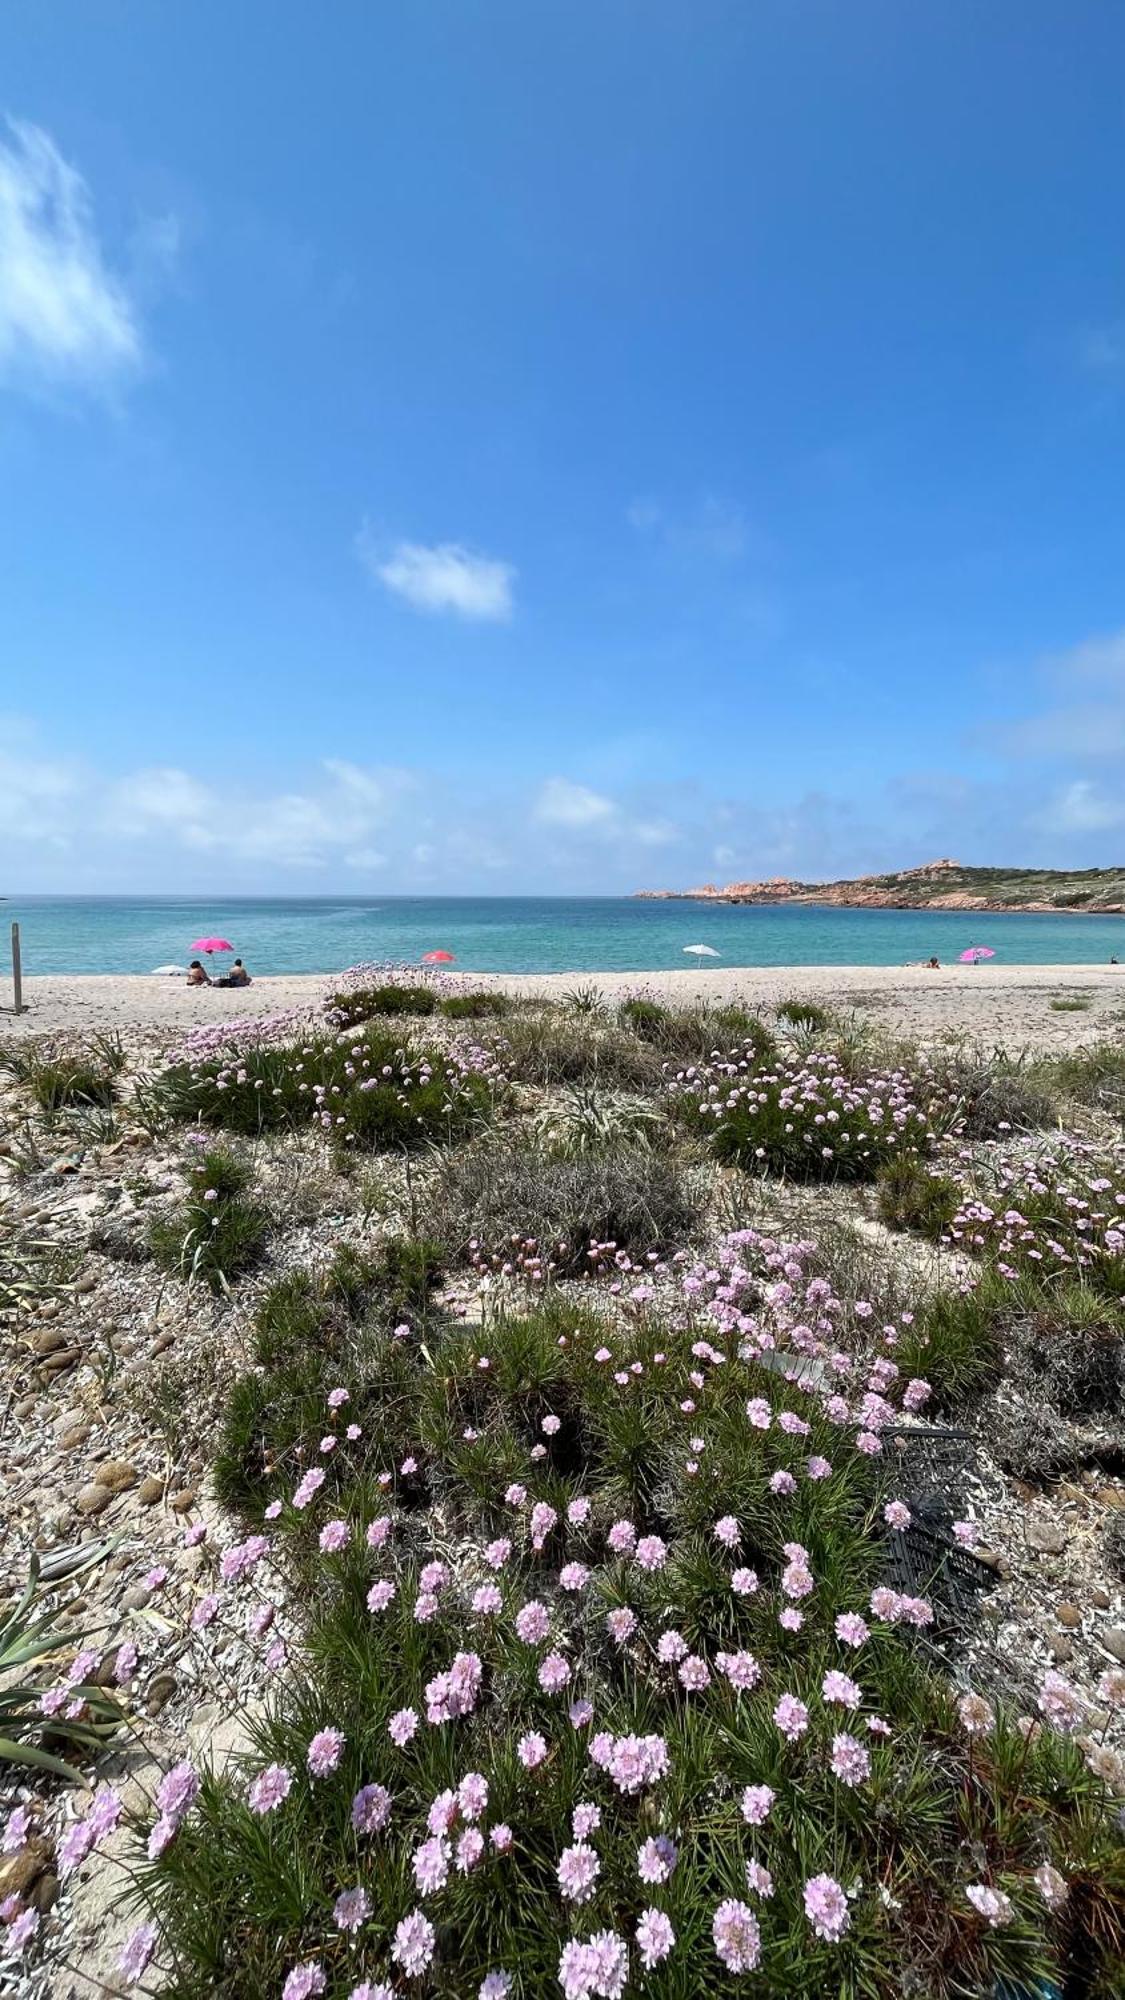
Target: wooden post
{"x":17,"y":972}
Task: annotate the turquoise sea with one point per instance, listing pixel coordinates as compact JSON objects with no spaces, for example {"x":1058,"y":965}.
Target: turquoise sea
{"x":524,"y":933}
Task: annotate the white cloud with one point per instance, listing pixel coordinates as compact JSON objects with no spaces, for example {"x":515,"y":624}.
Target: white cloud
{"x":366,"y":859}
{"x":1082,"y":808}
{"x":561,"y":803}
{"x":442,"y":578}
{"x":161,"y":796}
{"x":64,"y":317}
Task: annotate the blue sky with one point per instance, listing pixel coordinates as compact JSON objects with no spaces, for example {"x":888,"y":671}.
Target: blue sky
{"x":530,"y":447}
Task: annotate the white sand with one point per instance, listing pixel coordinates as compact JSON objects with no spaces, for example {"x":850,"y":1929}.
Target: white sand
{"x":991,"y":1004}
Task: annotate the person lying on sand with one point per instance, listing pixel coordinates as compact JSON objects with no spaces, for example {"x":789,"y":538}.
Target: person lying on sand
{"x":197,"y":976}
{"x":933,"y":965}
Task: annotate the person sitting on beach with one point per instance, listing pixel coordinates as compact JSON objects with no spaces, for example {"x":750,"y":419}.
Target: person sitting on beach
{"x":933,"y":965}
{"x":196,"y":975}
{"x":238,"y":974}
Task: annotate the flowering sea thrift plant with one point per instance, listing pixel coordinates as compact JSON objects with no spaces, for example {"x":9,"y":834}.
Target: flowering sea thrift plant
{"x":628,"y":1703}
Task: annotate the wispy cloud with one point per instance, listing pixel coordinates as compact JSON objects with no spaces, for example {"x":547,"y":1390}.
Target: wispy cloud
{"x":1086,"y":718}
{"x":65,"y":319}
{"x":1083,"y":808}
{"x":1100,"y":350}
{"x":712,"y":526}
{"x":562,"y":803}
{"x":443,"y":577}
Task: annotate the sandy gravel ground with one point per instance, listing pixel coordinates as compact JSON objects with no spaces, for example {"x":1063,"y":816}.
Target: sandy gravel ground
{"x":1007,"y":1005}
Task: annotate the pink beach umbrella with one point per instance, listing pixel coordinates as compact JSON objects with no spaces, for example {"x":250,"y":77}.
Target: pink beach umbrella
{"x":975,"y":952}
{"x":210,"y":944}
{"x":437,"y":958}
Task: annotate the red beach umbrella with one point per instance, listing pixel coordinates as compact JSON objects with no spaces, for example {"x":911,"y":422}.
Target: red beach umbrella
{"x":210,"y":944}
{"x":437,"y":958}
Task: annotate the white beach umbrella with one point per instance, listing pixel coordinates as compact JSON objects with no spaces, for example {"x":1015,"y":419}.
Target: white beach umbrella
{"x":702,"y":950}
{"x":167,"y":971}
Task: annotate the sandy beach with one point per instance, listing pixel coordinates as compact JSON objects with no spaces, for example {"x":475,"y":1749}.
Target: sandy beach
{"x":1007,"y":1005}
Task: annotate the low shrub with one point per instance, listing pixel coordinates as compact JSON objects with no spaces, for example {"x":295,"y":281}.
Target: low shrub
{"x":990,"y":1096}
{"x":216,"y":1235}
{"x":1092,"y":1077}
{"x":370,"y":1092}
{"x":912,"y":1195}
{"x":1051,"y":1210}
{"x":585,"y":1119}
{"x":1076,"y":1004}
{"x":482,"y":1006}
{"x":77,"y":1079}
{"x":802,"y":1013}
{"x":956,"y":1341}
{"x":802,"y":1116}
{"x":600,"y":1687}
{"x":549,"y":1048}
{"x":645,"y":1017}
{"x":489,"y":1197}
{"x":362,"y":1003}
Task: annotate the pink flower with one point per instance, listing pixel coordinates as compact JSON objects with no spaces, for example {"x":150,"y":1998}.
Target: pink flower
{"x":756,"y":1802}
{"x":310,"y":1485}
{"x":655,"y":1937}
{"x":574,"y":1576}
{"x":744,"y":1582}
{"x":991,"y":1904}
{"x":532,"y":1749}
{"x":791,"y":1717}
{"x":351,"y":1909}
{"x":896,"y":1515}
{"x":841,"y":1689}
{"x":656,"y":1858}
{"x":380,"y":1595}
{"x":578,"y":1871}
{"x":621,"y":1624}
{"x":413,"y":1947}
{"x":472,"y":1795}
{"x":622,"y":1538}
{"x":487,"y":1600}
{"x":402,"y":1726}
{"x":851,"y":1762}
{"x":651,"y":1553}
{"x":693,"y":1674}
{"x":21,"y":1932}
{"x":497,"y":1552}
{"x":269,"y":1788}
{"x":782,"y":1483}
{"x":737,"y":1939}
{"x":371,"y":1809}
{"x":826,"y":1908}
{"x":728,"y":1532}
{"x":533,"y":1623}
{"x":554,"y":1673}
{"x":759,"y":1880}
{"x":431,"y":1866}
{"x":303,"y":1981}
{"x":334,"y":1537}
{"x":136,"y":1953}
{"x":1063,"y":1708}
{"x":325,"y":1751}
{"x":851,"y":1629}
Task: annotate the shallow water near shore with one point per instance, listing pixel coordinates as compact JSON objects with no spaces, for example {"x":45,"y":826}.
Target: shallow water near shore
{"x":88,"y":934}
